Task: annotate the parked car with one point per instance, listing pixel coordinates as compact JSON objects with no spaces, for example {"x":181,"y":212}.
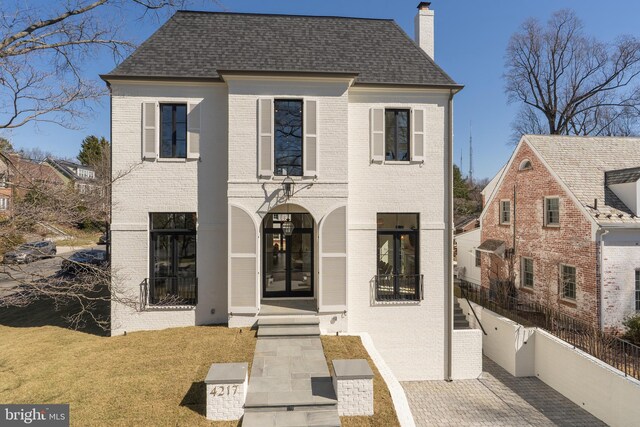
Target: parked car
{"x":85,"y":260}
{"x":103,"y":239}
{"x":30,"y":252}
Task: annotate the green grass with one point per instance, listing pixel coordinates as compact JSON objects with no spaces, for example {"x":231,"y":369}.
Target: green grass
{"x":152,"y":378}
{"x":142,"y":379}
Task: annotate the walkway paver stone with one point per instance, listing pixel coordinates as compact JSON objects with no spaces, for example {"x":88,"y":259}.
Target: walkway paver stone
{"x":290,"y":382}
{"x":495,"y":399}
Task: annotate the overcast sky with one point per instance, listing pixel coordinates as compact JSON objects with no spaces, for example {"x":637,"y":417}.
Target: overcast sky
{"x":470,"y":41}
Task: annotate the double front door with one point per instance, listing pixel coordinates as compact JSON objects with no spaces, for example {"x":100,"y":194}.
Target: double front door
{"x":288,"y":259}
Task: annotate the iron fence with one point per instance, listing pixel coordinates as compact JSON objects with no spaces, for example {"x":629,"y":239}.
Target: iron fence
{"x":606,"y":347}
{"x":399,"y":287}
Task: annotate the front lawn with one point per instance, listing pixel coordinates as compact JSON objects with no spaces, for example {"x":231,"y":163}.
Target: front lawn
{"x":144,"y":378}
{"x":150,"y":378}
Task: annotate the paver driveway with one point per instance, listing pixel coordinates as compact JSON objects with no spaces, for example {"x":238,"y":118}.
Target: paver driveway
{"x":495,"y":399}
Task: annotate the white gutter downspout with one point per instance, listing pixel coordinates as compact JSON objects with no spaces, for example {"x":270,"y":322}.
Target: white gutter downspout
{"x":603,"y":232}
{"x":449,"y":230}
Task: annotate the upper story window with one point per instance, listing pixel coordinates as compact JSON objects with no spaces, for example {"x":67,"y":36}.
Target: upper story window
{"x":527,"y":272}
{"x":4,"y":203}
{"x":288,"y":137}
{"x":396,"y":134}
{"x":505,"y":212}
{"x":478,"y":258}
{"x":173,"y":130}
{"x":567,"y":282}
{"x":552,"y":211}
{"x":525,"y":165}
{"x":85,"y":173}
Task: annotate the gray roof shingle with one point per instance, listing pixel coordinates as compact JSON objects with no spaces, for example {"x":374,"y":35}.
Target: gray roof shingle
{"x":582,"y":162}
{"x":200,"y":44}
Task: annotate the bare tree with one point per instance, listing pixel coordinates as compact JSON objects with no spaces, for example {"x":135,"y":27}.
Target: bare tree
{"x":569,"y":83}
{"x":43,"y":46}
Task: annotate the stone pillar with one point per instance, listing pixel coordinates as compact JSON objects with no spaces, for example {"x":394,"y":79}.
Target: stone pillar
{"x":226,"y":391}
{"x":353,"y":382}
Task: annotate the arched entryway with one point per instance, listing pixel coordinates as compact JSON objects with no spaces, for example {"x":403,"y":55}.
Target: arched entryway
{"x":288,"y":259}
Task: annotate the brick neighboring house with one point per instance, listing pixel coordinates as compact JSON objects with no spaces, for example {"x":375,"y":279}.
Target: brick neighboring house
{"x":564,"y":215}
{"x":19,"y":175}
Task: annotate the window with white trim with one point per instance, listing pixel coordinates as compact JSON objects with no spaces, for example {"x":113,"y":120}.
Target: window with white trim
{"x":527,"y":272}
{"x":637,"y":290}
{"x":478,"y":258}
{"x":4,"y":203}
{"x":552,"y":211}
{"x":567,"y":282}
{"x":505,"y":212}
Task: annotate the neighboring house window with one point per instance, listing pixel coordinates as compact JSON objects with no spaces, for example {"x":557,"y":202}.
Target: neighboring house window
{"x":637,"y":290}
{"x":567,"y":282}
{"x":525,"y":165}
{"x":398,"y":270}
{"x":527,"y":272}
{"x":173,"y":259}
{"x":552,"y":211}
{"x":288,"y":137}
{"x":3,"y":181}
{"x":505,"y":211}
{"x":173,"y":130}
{"x":396,"y":134}
{"x":84,"y":173}
{"x":4,"y":203}
{"x":478,"y":258}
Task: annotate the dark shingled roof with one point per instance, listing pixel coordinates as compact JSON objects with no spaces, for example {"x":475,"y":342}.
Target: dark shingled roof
{"x":197,"y":45}
{"x":622,"y":176}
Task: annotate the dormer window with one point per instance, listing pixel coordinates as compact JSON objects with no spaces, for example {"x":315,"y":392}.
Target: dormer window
{"x":525,"y":165}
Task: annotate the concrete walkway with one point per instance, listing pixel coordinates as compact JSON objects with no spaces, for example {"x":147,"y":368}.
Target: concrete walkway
{"x":495,"y":399}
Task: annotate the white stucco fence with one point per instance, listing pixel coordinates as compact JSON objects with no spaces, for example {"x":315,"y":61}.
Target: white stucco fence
{"x":593,"y":385}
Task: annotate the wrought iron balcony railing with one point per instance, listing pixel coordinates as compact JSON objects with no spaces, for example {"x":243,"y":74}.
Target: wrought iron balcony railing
{"x":399,"y":287}
{"x":170,"y":291}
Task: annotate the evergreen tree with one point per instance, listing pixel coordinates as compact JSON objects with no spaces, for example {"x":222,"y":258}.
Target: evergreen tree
{"x":93,"y":150}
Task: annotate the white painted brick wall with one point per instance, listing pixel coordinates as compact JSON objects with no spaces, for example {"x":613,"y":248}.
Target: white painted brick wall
{"x":467,"y":354}
{"x":225,"y":402}
{"x":621,"y":258}
{"x":355,"y":396}
{"x":410,"y":337}
{"x":142,"y":187}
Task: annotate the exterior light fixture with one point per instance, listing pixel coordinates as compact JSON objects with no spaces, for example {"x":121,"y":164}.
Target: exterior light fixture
{"x":288,"y":186}
{"x":287,"y":227}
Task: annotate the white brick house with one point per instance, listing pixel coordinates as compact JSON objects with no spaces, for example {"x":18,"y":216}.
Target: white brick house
{"x":212,"y":124}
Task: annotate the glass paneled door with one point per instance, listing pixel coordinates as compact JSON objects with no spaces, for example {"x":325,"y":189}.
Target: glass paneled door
{"x":288,"y":260}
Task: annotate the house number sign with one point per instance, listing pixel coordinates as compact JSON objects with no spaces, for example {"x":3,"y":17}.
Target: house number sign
{"x":220,"y":390}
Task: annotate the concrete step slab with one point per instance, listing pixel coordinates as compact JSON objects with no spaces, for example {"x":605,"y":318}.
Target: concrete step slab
{"x":289,"y":331}
{"x":311,"y":418}
{"x":288,"y":321}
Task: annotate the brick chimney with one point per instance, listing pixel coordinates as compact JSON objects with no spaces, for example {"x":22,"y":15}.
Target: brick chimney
{"x":424,"y":28}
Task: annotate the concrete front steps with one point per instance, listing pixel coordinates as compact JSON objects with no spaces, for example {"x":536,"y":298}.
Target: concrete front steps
{"x":290,"y":383}
{"x":459,"y":319}
{"x":274,"y":327}
{"x":295,"y":418}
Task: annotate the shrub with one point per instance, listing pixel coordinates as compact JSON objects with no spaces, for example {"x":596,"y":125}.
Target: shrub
{"x":632,"y":323}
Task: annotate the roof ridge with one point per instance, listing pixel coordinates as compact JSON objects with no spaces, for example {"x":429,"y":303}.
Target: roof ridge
{"x":213,"y":12}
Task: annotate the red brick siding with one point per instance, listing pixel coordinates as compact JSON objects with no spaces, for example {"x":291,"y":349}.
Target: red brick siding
{"x":571,"y":243}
